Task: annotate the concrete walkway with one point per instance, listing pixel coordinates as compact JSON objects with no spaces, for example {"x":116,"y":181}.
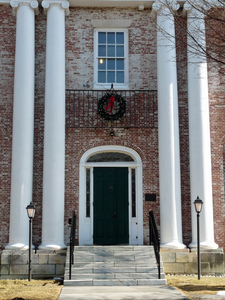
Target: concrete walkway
{"x":120,"y":293}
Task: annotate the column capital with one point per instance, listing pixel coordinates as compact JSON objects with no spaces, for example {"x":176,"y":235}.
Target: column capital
{"x":32,"y":3}
{"x":160,"y":5}
{"x":196,"y":7}
{"x":64,"y":4}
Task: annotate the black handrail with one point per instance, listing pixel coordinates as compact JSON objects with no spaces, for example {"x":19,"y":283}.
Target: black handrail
{"x":154,"y":239}
{"x":72,"y":241}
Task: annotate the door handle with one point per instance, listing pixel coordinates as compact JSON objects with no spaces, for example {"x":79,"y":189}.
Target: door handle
{"x":114,"y":214}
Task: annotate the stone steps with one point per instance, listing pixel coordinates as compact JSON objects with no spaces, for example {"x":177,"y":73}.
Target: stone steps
{"x":113,"y":266}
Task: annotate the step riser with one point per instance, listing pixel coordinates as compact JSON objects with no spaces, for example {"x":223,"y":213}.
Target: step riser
{"x":114,"y":282}
{"x":114,"y":253}
{"x":113,"y":248}
{"x":115,"y":276}
{"x":110,"y":264}
{"x":115,"y":270}
{"x":112,"y":258}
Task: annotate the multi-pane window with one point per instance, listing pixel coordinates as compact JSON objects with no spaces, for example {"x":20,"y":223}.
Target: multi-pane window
{"x":111,"y":58}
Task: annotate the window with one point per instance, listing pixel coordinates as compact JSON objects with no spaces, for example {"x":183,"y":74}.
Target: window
{"x":133,"y":193}
{"x":111,"y":58}
{"x":88,"y":189}
{"x":110,"y":157}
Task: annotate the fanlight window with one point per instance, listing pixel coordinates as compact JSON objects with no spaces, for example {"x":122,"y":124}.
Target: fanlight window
{"x":110,"y":157}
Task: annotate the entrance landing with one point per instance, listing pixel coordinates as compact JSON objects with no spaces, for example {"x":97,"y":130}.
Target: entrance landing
{"x":152,"y":292}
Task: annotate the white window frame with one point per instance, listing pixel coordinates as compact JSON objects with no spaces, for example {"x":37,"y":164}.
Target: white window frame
{"x":124,"y":85}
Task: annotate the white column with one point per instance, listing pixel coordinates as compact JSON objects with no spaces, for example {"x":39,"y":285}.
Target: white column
{"x":23,"y":124}
{"x":54,"y":135}
{"x":199,"y":131}
{"x":168,"y":132}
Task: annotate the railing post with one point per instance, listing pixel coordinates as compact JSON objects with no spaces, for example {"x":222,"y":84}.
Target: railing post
{"x":154,"y":239}
{"x":72,"y":242}
{"x":159,"y":272}
{"x":150,"y":229}
{"x":70,"y":265}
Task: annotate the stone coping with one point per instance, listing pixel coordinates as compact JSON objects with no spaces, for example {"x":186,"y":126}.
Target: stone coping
{"x":189,"y":250}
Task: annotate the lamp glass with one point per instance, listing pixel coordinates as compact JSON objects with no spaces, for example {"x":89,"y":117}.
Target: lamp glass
{"x":30,"y":210}
{"x":198,"y":205}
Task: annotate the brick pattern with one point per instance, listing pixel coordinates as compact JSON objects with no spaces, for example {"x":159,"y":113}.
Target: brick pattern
{"x":217,"y":125}
{"x":79,"y":71}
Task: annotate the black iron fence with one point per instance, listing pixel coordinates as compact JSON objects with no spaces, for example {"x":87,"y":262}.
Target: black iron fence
{"x":82,"y":109}
{"x":154,"y":239}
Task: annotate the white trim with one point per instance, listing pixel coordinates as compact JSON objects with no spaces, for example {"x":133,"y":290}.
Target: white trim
{"x":86,"y":224}
{"x":111,"y":148}
{"x":110,"y":3}
{"x":97,"y":85}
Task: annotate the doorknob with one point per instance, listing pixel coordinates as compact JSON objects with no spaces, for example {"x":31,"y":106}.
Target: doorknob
{"x":114,"y":214}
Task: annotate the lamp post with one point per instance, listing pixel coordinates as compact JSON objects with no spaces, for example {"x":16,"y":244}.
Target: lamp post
{"x":30,"y":212}
{"x":198,"y":207}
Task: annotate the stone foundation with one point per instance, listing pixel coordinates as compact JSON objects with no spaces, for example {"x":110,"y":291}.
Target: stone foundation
{"x":45,"y":264}
{"x":50,"y":264}
{"x":185,"y":261}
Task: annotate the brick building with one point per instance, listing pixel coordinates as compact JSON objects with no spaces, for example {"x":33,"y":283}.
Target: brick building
{"x":59,"y":60}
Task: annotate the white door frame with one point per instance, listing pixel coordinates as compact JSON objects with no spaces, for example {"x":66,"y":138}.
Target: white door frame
{"x":86,"y":224}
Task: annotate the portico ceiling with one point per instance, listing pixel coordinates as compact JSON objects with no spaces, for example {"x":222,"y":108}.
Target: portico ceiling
{"x":111,"y":3}
{"x":140,"y":4}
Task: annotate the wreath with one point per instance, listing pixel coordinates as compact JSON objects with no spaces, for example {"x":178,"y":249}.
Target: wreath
{"x":107,"y":103}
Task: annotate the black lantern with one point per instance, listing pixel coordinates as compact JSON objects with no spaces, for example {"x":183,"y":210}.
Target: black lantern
{"x":198,"y":207}
{"x":30,"y":212}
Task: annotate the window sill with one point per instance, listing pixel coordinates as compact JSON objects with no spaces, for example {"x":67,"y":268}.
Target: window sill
{"x":108,"y":87}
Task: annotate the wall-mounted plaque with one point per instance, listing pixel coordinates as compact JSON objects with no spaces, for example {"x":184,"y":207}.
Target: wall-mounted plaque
{"x":150,"y":197}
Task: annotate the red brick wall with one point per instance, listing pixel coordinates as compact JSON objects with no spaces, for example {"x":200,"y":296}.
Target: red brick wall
{"x":217,"y":123}
{"x":216,"y":77}
{"x":40,"y":48}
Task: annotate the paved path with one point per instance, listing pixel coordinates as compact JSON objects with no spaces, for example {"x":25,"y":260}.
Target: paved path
{"x":120,"y":293}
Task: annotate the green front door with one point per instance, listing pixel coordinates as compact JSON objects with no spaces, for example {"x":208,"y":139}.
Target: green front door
{"x":111,"y":206}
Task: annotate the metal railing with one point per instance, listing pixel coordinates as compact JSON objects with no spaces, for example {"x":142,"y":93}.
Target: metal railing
{"x":72,"y":221}
{"x":82,"y":109}
{"x":154,"y":239}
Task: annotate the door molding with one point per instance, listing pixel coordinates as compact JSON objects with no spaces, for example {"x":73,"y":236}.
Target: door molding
{"x":86,"y":224}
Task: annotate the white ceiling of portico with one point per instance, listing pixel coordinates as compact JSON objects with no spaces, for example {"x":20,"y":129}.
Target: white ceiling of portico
{"x":111,"y":3}
{"x":139,"y":4}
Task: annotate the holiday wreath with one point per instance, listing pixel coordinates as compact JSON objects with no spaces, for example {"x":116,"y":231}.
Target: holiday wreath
{"x":111,"y":101}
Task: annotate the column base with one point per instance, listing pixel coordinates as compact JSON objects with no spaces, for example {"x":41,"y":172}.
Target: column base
{"x":172,"y":245}
{"x":17,"y":246}
{"x":52,"y":246}
{"x":204,"y":245}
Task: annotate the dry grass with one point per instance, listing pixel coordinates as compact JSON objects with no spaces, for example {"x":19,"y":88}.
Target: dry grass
{"x":50,"y":290}
{"x":29,"y":290}
{"x":191,"y":286}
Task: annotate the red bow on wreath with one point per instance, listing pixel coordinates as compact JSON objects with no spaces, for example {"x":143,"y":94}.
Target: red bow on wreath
{"x":111,"y":103}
